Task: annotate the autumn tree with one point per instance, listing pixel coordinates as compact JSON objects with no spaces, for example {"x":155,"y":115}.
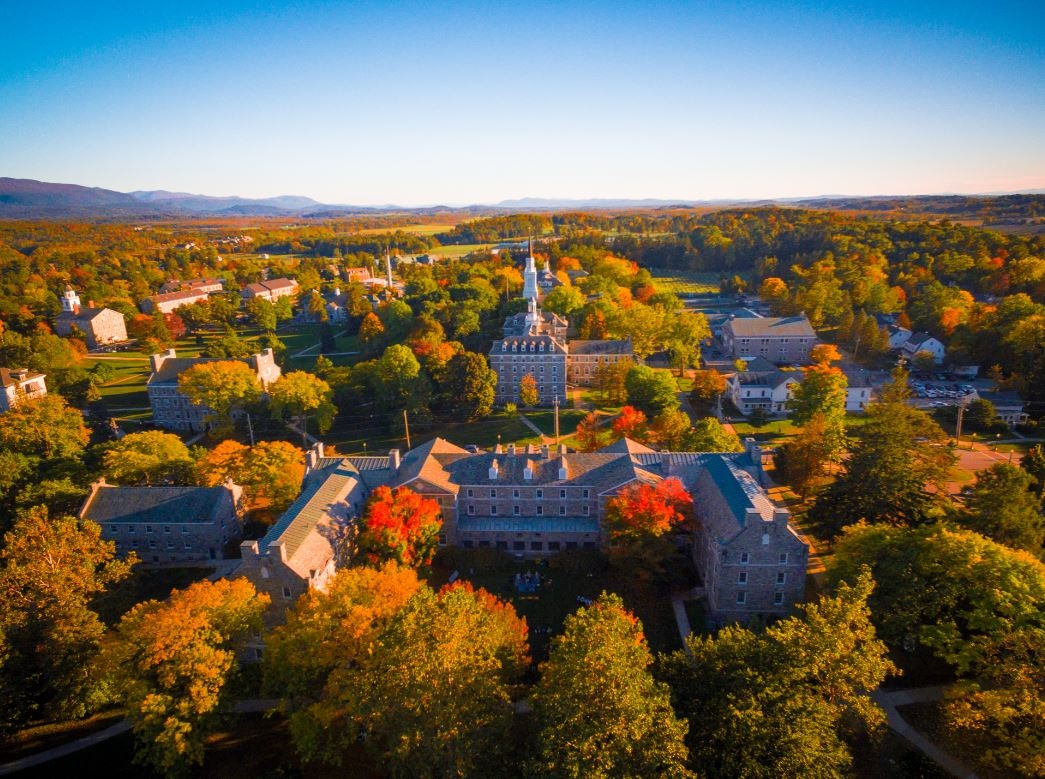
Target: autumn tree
{"x":174,"y":661}
{"x":434,"y":694}
{"x":529,"y":394}
{"x":371,"y":332}
{"x":782,"y":702}
{"x":44,"y":428}
{"x":632,"y":424}
{"x":708,"y":386}
{"x":564,"y":300}
{"x":270,"y":472}
{"x":897,"y":455}
{"x":147,"y":458}
{"x":822,"y":390}
{"x":223,"y":386}
{"x":590,"y":434}
{"x":312,"y":660}
{"x":53,"y":568}
{"x":806,"y":460}
{"x":610,"y":379}
{"x":591,"y":728}
{"x":399,"y":525}
{"x":642,"y":520}
{"x":301,"y":395}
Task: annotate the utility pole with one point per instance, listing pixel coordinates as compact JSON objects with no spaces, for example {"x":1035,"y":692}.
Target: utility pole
{"x":250,"y":428}
{"x":958,"y":427}
{"x":556,"y":404}
{"x":406,"y":427}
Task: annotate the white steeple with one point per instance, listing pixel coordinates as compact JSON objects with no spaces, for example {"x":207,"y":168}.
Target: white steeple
{"x":70,"y":300}
{"x":530,"y":276}
{"x":388,"y":267}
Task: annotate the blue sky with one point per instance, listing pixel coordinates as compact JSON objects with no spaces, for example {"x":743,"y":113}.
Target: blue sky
{"x":419,"y":103}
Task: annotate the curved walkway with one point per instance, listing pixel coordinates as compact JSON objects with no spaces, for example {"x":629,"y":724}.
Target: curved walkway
{"x":890,"y":700}
{"x":254,"y":705}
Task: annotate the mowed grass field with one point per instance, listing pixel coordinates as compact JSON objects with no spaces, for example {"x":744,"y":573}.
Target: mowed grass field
{"x":686,"y":282}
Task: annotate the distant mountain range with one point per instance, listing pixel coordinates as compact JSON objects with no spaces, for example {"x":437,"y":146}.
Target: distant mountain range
{"x":29,"y":199}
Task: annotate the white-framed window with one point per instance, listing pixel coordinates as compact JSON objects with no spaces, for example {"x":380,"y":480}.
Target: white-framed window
{"x":562,"y":494}
{"x":286,"y":592}
{"x":587,"y":509}
{"x":742,"y":577}
{"x":493,"y":493}
{"x":778,"y":598}
{"x":744,"y":557}
{"x":586,"y":493}
{"x":562,"y":511}
{"x":470,"y":493}
{"x":783,"y":558}
{"x":540,"y":494}
{"x":148,"y":528}
{"x":515,"y":510}
{"x":493,"y":510}
{"x":515,"y":493}
{"x":781,"y":578}
{"x":741,"y":598}
{"x":471,"y":509}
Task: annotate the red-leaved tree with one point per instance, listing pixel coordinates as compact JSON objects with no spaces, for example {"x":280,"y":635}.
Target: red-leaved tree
{"x":643,"y":518}
{"x":631,"y":423}
{"x":399,"y":525}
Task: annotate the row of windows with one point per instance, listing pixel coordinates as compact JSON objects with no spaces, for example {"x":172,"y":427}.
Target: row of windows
{"x":516,"y":510}
{"x":781,"y":578}
{"x":152,"y":544}
{"x":538,"y":494}
{"x":148,"y":528}
{"x":778,"y":598}
{"x":745,"y":557}
{"x":535,"y":546}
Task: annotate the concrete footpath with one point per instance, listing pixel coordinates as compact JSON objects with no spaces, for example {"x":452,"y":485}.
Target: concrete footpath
{"x":890,"y":700}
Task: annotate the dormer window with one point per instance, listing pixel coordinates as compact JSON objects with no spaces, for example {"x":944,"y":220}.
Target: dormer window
{"x":528,"y":473}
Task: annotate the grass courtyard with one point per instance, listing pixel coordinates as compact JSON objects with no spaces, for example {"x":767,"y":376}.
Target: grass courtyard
{"x":565,"y":577}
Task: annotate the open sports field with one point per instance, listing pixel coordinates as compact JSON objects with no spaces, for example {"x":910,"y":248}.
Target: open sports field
{"x":683,"y":282}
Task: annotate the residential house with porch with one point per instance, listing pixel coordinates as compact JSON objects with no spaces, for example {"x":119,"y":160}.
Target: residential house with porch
{"x":19,"y":383}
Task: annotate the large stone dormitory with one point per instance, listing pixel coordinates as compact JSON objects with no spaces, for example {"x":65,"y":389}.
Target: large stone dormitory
{"x":534,"y":502}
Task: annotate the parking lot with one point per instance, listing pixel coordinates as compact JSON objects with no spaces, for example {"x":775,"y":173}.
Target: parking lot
{"x":938,"y":390}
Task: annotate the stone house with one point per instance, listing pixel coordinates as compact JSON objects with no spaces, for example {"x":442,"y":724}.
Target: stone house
{"x":210,"y":286}
{"x":99,"y":326}
{"x":777,"y":339}
{"x":586,"y":358}
{"x":18,"y":383}
{"x":271,"y":290}
{"x":750,"y":558}
{"x":166,"y":524}
{"x":174,"y":411}
{"x":167,"y":302}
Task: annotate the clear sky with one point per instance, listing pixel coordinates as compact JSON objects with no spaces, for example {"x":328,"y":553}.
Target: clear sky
{"x":445,"y":102}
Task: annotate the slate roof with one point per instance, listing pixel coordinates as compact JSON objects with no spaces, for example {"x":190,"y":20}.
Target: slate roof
{"x":431,"y":462}
{"x":738,"y":488}
{"x":769,"y":379}
{"x":528,"y":344}
{"x":517,"y":325}
{"x":272,"y":285}
{"x":772,"y":327}
{"x":83,"y":314}
{"x":172,"y":367}
{"x":186,"y":294}
{"x":600,"y":347}
{"x":918,"y":339}
{"x":161,"y":505}
{"x":323,"y":488}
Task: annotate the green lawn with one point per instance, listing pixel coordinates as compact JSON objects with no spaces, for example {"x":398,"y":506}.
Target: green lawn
{"x":544,"y":418}
{"x":686,"y":282}
{"x":565,"y":577}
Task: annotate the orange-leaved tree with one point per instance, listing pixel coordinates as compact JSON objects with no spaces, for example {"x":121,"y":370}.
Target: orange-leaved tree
{"x":528,"y":392}
{"x":642,"y":520}
{"x":400,"y":525}
{"x":631,"y":423}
